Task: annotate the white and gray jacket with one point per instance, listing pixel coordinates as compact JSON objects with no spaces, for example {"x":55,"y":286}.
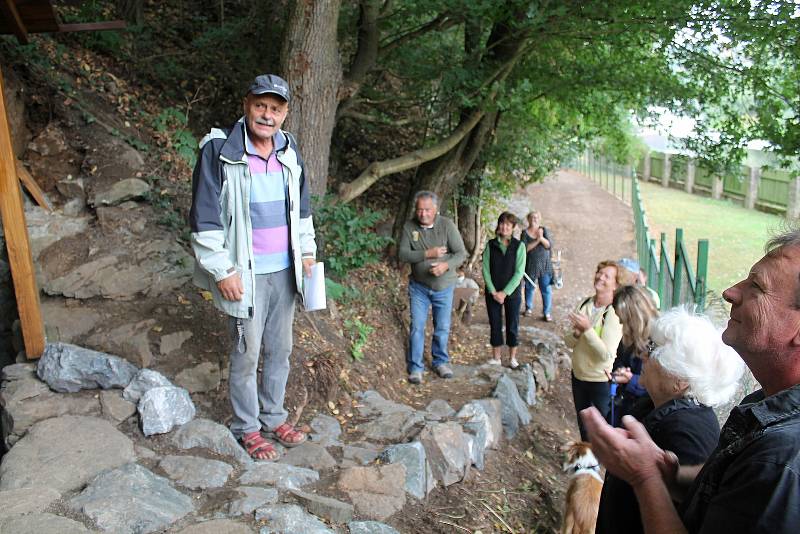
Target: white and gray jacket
{"x":220,"y":215}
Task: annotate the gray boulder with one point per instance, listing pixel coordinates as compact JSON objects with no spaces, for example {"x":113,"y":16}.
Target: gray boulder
{"x":514,"y":410}
{"x":200,"y":378}
{"x":475,"y":414}
{"x":64,"y":453}
{"x":370,"y":527}
{"x":324,"y":507}
{"x":309,"y":455}
{"x":196,"y":473}
{"x":446,"y":448}
{"x":26,"y":501}
{"x":526,"y":383}
{"x":205,"y":434}
{"x":131,"y":499}
{"x":290,"y":519}
{"x":41,"y":523}
{"x":69,"y":368}
{"x":281,"y":476}
{"x":393,"y":426}
{"x":438,"y":410}
{"x":419,"y":480}
{"x":119,"y":192}
{"x":115,"y":407}
{"x":325,"y":430}
{"x":163,"y":408}
{"x":144,"y":380}
{"x":251,"y":499}
{"x":376,"y":492}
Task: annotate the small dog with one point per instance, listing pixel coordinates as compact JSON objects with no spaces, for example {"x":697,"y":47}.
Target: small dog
{"x":585,"y":486}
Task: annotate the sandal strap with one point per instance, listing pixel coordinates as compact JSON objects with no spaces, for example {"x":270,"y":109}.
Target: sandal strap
{"x":255,"y":443}
{"x":285,"y":431}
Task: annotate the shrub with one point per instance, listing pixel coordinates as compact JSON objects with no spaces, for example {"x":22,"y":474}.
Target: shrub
{"x":348,"y":235}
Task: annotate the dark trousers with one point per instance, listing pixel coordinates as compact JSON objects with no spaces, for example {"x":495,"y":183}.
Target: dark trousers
{"x":495,"y":310}
{"x":585,"y":394}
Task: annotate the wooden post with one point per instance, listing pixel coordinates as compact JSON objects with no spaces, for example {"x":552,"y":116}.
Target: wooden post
{"x":717,"y":185}
{"x":752,"y":190}
{"x":646,"y":168}
{"x":667,"y":170}
{"x":691,"y":168}
{"x":793,"y":206}
{"x":19,"y":251}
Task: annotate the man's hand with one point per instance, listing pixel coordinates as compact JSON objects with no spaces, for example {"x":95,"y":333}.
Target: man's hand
{"x":231,"y":287}
{"x":499,"y":296}
{"x":628,"y":453}
{"x":308,"y":263}
{"x":623,"y":375}
{"x":580,"y":323}
{"x":435,"y":252}
{"x":439,"y":268}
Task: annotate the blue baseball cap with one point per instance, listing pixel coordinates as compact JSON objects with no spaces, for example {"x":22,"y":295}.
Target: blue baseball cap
{"x":270,"y":83}
{"x":630,"y":264}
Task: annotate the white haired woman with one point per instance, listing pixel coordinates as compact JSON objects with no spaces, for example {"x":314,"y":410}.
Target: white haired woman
{"x":688,"y":370}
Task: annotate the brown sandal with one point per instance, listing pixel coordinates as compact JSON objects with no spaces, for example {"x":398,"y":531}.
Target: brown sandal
{"x":258,"y":448}
{"x":288,"y":436}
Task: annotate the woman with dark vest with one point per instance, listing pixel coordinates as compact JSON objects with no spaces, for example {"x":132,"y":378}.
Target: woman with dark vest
{"x":503,"y":266}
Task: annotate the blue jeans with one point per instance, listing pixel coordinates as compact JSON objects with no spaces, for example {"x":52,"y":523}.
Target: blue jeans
{"x":547,"y":293}
{"x":422,"y":297}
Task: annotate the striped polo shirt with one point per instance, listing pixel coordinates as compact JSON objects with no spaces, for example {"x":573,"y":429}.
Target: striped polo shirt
{"x":268,"y":211}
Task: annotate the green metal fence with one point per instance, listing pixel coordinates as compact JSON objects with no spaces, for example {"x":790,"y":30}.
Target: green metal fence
{"x":671,"y":276}
{"x":676,"y":282}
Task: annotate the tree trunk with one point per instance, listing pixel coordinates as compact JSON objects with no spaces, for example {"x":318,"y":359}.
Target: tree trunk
{"x":310,"y":63}
{"x":132,"y":11}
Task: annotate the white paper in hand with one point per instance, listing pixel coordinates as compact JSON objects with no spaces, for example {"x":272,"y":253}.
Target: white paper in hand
{"x":314,"y":288}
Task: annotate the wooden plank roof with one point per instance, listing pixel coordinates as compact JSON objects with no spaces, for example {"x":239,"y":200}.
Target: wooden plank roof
{"x":21,"y":17}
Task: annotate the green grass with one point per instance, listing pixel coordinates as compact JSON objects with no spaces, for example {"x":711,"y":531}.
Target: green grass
{"x":736,"y":235}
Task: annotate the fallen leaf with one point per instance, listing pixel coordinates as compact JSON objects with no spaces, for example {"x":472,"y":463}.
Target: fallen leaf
{"x":207,"y":295}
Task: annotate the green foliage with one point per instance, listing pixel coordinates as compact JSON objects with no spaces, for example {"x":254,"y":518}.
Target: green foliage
{"x":172,"y":122}
{"x":358,"y":333}
{"x":348,"y":235}
{"x":339,"y":292}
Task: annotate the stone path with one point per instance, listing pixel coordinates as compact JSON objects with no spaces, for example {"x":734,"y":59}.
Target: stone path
{"x":78,"y":461}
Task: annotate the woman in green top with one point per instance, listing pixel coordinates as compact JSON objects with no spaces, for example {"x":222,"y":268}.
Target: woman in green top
{"x":503,"y":266}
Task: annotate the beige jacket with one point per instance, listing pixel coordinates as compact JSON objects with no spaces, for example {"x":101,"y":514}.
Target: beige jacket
{"x":594,"y":351}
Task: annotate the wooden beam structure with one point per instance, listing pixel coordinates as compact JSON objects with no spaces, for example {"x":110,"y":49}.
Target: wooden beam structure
{"x":33,"y":188}
{"x":17,"y":242}
{"x":14,"y":20}
{"x":23,"y":17}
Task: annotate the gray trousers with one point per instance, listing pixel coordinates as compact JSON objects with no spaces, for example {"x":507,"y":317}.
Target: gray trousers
{"x":260,"y":404}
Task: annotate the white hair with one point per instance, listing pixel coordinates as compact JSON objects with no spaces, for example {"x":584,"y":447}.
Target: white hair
{"x":690,"y":348}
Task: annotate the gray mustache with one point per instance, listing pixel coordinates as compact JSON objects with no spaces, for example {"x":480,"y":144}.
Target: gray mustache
{"x":267,"y":122}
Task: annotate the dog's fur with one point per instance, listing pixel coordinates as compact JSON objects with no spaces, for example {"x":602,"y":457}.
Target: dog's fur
{"x":583,"y":493}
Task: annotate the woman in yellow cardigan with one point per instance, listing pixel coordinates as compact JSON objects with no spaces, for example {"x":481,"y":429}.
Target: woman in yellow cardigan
{"x":595,"y":333}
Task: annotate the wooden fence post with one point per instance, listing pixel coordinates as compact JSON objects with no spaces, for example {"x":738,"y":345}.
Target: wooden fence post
{"x":752,"y":190}
{"x":793,"y":206}
{"x":646,"y":168}
{"x":717,"y":186}
{"x":691,"y":168}
{"x":667,"y":170}
{"x":17,"y":242}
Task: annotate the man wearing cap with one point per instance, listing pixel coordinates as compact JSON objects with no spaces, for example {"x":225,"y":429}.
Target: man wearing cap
{"x":253,"y":239}
{"x":639,"y":278}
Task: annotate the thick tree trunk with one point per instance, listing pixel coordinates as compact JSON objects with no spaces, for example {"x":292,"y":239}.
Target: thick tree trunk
{"x":132,"y":11}
{"x":310,"y":63}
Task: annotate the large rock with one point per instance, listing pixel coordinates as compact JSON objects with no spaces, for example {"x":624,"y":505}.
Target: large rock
{"x":195,"y":473}
{"x":174,"y":341}
{"x":115,"y":407}
{"x":438,"y":410}
{"x":309,"y":455}
{"x":25,"y":400}
{"x":290,"y":519}
{"x":47,"y":227}
{"x":394,"y":426}
{"x":352,"y":455}
{"x":70,"y":323}
{"x":215,"y":437}
{"x":372,"y":404}
{"x":127,"y":189}
{"x":69,"y":368}
{"x":163,"y":408}
{"x":478,"y":413}
{"x":145,"y":379}
{"x":217,"y":526}
{"x":526,"y":384}
{"x":252,"y":498}
{"x":515,"y":411}
{"x":446,"y":448}
{"x":199,"y":379}
{"x":324,"y":507}
{"x":370,"y":527}
{"x":279,"y":475}
{"x":26,"y":501}
{"x":149,"y":268}
{"x":376,"y":492}
{"x":40,"y":524}
{"x":476,"y":441}
{"x":131,"y":499}
{"x":325,"y":430}
{"x":419,"y":480}
{"x":64,"y":453}
{"x":131,"y":341}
